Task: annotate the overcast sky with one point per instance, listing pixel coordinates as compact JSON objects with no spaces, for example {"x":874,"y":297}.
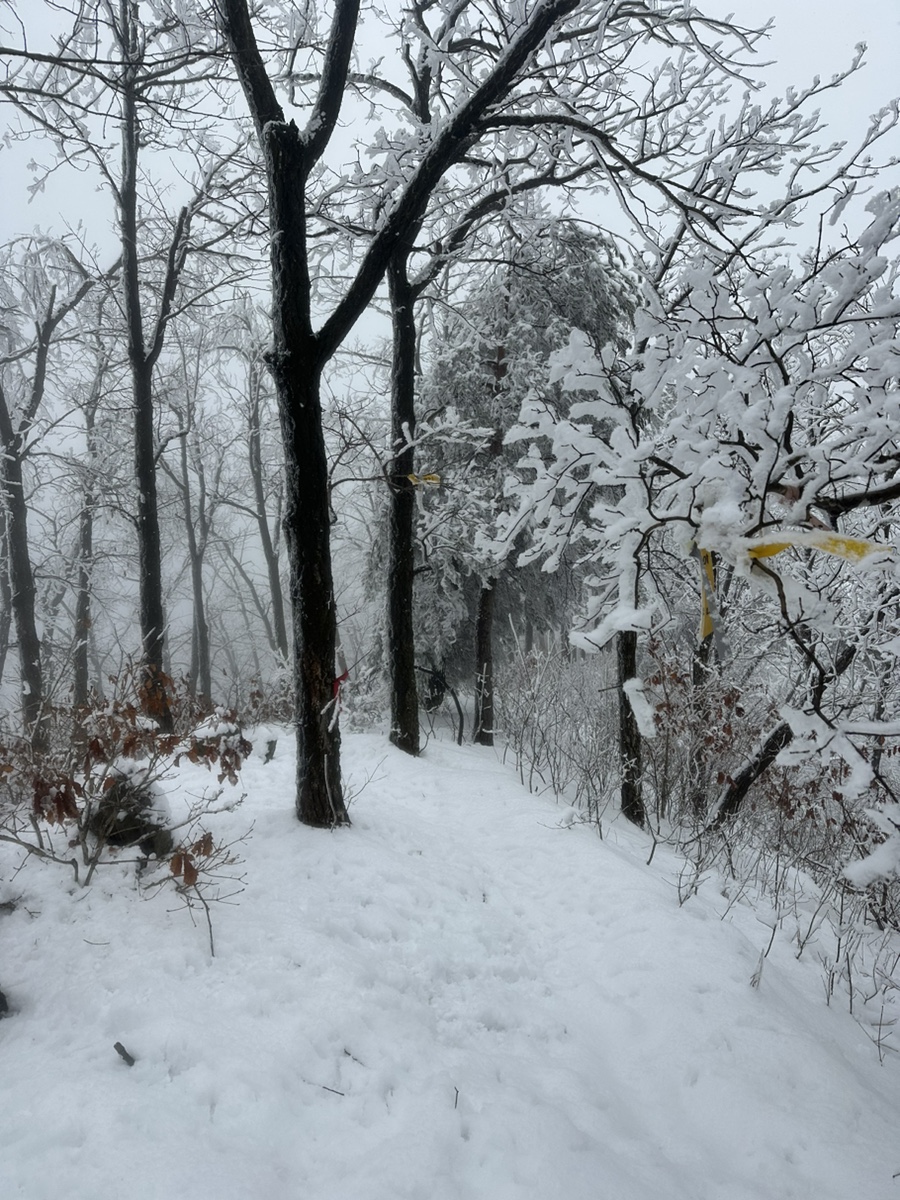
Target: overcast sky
{"x":812,"y":37}
{"x":817,"y":37}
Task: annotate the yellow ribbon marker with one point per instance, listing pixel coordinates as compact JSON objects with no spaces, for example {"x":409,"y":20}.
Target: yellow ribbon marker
{"x":428,"y":480}
{"x":854,"y":550}
{"x":707,"y":589}
{"x":710,"y":622}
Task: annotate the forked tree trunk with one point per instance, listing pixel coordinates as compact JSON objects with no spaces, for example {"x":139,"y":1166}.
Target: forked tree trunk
{"x":402,"y":515}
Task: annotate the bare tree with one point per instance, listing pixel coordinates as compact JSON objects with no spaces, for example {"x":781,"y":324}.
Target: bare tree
{"x":111,"y":69}
{"x":301,"y":351}
{"x":245,"y":379}
{"x":53,"y":285}
{"x":502,"y":71}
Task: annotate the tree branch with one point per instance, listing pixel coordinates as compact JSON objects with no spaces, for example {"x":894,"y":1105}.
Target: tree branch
{"x":451,"y":143}
{"x":334,"y":79}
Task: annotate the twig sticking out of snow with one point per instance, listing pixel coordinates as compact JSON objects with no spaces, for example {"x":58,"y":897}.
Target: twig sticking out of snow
{"x":123,"y":1053}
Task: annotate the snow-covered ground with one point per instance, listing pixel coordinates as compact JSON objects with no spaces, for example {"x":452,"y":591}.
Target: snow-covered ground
{"x":462,"y":996}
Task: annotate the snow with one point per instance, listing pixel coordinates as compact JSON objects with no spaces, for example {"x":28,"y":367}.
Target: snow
{"x":468,"y":994}
{"x":883,"y":860}
{"x":641,"y":706}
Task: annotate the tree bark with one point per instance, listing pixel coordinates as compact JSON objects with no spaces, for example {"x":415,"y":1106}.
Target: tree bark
{"x":402,"y":515}
{"x":630,"y":763}
{"x":307,"y":519}
{"x":201,"y":672}
{"x":83,"y":619}
{"x":484,"y":666}
{"x":81,"y":684}
{"x":701,"y":668}
{"x":22,"y":590}
{"x":307,"y":537}
{"x":735,"y":792}
{"x":279,"y":626}
{"x":5,"y":594}
{"x":23,"y":594}
{"x":153,"y":690}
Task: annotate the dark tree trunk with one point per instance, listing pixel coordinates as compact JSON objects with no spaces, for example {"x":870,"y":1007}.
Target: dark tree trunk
{"x":307,"y":537}
{"x":154,"y":693}
{"x":296,"y":371}
{"x":701,"y":667}
{"x":23,"y":594}
{"x":484,"y":666}
{"x":201,"y":673}
{"x":5,"y":593}
{"x":81,"y":671}
{"x":82,"y":631}
{"x":279,"y":626}
{"x":735,"y":792}
{"x":629,"y":734}
{"x":402,"y":516}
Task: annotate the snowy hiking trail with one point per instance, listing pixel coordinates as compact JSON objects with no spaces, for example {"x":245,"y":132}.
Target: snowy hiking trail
{"x":460,"y":997}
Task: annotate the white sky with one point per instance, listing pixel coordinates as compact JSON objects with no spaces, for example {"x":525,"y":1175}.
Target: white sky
{"x":811,"y":37}
{"x":818,"y":37}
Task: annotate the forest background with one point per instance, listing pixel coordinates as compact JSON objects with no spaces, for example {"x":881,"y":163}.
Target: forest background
{"x":568,"y":408}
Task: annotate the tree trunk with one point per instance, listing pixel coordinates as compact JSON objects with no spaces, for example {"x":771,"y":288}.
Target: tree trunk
{"x":307,"y":537}
{"x":529,"y":636}
{"x":24,"y":596}
{"x":296,"y":373}
{"x":279,"y":626}
{"x":154,"y":693}
{"x":5,"y":594}
{"x":701,"y":668}
{"x":629,"y":733}
{"x":23,"y":593}
{"x":153,"y":690}
{"x":201,"y":673}
{"x":401,"y":529}
{"x":735,"y":792}
{"x":81,"y":685}
{"x":484,"y":666}
{"x":81,"y":671}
